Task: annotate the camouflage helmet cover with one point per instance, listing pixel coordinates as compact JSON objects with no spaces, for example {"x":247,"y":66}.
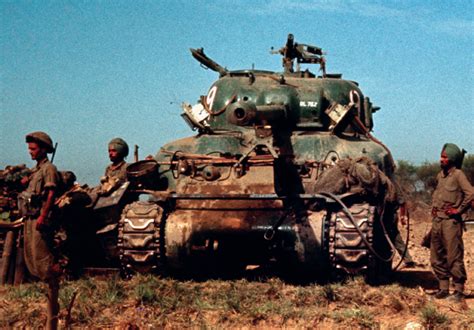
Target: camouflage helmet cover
{"x":120,"y":145}
{"x":41,"y":138}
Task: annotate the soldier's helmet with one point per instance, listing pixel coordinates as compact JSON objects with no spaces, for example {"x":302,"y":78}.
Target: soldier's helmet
{"x":41,"y":138}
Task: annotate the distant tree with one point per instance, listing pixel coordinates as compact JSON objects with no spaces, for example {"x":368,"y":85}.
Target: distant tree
{"x":419,"y":182}
{"x":468,"y":167}
{"x":406,"y":176}
{"x":427,"y":172}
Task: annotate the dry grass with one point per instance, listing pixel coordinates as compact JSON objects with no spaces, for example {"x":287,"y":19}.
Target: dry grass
{"x":148,"y":301}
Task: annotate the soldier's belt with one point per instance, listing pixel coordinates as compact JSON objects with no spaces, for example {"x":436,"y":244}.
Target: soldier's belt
{"x":439,"y":213}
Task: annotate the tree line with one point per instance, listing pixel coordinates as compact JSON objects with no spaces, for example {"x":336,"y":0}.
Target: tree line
{"x":419,"y":181}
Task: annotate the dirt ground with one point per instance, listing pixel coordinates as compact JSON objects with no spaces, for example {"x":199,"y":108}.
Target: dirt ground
{"x":422,"y":275}
{"x":258,"y":300}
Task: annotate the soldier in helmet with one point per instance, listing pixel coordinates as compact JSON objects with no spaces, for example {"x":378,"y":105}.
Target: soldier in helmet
{"x":41,"y":192}
{"x":451,"y":198}
{"x":42,"y":186}
{"x":115,"y":173}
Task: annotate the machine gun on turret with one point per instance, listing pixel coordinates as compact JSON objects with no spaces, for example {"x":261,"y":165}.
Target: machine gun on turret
{"x":303,"y":53}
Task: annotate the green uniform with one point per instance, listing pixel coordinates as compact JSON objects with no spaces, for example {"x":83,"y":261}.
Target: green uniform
{"x":38,"y":257}
{"x":117,"y":171}
{"x":447,"y":250}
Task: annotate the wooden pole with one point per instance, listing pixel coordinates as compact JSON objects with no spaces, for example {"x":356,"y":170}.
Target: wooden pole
{"x":6,"y":256}
{"x":19,"y":260}
{"x":11,"y":269}
{"x":53,"y":304}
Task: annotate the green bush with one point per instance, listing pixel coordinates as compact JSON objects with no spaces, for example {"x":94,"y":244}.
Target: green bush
{"x":431,"y":318}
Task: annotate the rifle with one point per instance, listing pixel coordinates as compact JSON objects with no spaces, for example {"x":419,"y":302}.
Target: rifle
{"x":54,"y":152}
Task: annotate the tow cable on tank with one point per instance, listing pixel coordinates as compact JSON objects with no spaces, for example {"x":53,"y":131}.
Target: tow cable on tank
{"x":390,"y":242}
{"x":270,"y":233}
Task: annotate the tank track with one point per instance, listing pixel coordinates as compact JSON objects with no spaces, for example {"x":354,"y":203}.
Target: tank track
{"x":140,"y":238}
{"x":347,"y":251}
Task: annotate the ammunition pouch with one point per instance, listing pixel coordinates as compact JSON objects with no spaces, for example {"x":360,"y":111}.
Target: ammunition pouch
{"x":29,"y":204}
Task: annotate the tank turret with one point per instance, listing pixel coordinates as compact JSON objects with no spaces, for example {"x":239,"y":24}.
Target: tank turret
{"x":300,"y":97}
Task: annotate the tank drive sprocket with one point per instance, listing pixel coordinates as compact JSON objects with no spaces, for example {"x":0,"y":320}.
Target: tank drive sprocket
{"x":140,"y":238}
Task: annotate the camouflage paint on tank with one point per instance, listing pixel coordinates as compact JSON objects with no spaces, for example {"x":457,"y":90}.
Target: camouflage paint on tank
{"x":306,"y":98}
{"x":252,"y":166}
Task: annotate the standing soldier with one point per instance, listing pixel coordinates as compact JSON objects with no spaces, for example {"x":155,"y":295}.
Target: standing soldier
{"x":40,"y":197}
{"x":451,"y":198}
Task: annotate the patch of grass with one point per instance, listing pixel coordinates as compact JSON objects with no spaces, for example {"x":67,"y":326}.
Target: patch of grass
{"x":35,"y":317}
{"x":329,"y":293}
{"x":431,"y":318}
{"x":84,"y":311}
{"x":274,"y":289}
{"x":372,"y":297}
{"x":261,"y":312}
{"x":234,"y":301}
{"x":302,"y":297}
{"x":103,"y":321}
{"x":113,"y":293}
{"x":150,"y":301}
{"x":87,"y":285}
{"x":355,"y":316}
{"x":312,"y":296}
{"x":396,"y":304}
{"x":145,"y":294}
{"x":27,"y":291}
{"x":9,"y":314}
{"x":410,"y":301}
{"x":65,"y":295}
{"x":21,"y":315}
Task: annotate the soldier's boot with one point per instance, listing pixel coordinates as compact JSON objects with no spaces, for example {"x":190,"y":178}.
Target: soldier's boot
{"x":441,"y":294}
{"x":457,"y":297}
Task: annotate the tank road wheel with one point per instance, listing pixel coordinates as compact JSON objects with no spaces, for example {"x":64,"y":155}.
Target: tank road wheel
{"x":140,"y":238}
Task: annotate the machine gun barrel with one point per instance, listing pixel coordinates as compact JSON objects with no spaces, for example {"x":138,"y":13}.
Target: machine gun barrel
{"x":199,"y":55}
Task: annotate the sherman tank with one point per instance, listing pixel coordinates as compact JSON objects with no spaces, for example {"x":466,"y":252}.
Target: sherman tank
{"x":282,"y":168}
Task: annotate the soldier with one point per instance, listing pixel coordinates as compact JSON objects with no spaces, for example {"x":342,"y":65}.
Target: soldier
{"x":115,"y":173}
{"x":40,"y":197}
{"x":451,"y":198}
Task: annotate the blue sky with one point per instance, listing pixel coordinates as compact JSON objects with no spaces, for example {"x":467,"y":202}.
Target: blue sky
{"x":88,"y":71}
